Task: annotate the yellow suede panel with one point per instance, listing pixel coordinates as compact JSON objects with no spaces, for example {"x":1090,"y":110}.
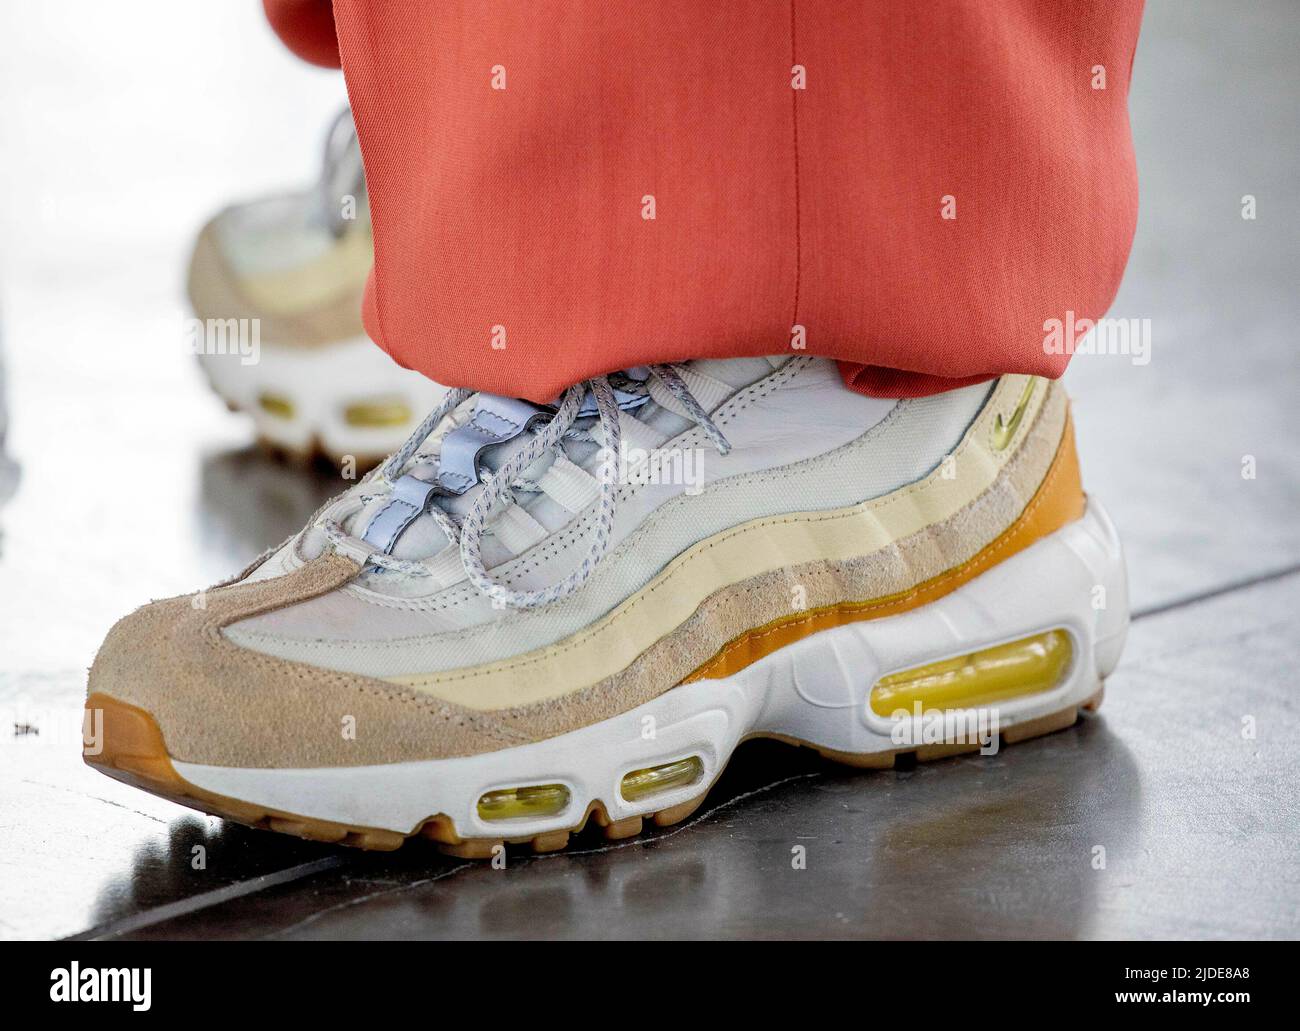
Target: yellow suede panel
{"x":1059,"y":501}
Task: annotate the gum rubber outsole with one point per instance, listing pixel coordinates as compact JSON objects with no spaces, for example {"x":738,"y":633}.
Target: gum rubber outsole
{"x":134,"y":752}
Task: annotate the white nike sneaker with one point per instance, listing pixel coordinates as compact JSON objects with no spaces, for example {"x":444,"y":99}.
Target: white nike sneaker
{"x":532,"y":617}
{"x":276,"y":285}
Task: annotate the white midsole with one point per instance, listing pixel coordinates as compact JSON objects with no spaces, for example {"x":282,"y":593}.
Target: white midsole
{"x":320,"y":382}
{"x":815,"y":690}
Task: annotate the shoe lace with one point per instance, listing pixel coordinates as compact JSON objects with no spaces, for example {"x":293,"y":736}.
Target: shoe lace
{"x":341,"y":170}
{"x":498,"y":486}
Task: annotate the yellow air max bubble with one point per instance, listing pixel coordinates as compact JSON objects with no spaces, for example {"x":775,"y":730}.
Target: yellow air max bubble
{"x":515,"y":803}
{"x":642,"y":783}
{"x":378,"y":413}
{"x":1028,"y":666}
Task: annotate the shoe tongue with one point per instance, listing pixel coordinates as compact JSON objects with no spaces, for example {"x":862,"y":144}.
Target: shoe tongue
{"x":738,"y":373}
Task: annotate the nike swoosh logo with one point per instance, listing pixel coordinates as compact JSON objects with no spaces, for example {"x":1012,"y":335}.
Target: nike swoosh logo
{"x":1005,"y":429}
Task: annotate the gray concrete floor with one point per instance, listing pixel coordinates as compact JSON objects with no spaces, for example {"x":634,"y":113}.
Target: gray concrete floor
{"x":103,"y":181}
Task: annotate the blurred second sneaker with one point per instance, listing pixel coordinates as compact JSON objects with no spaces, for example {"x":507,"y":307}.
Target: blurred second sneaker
{"x":8,"y":467}
{"x":277,"y":285}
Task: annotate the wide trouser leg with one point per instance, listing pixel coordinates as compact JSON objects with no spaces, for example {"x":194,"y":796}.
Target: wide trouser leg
{"x":563,"y":188}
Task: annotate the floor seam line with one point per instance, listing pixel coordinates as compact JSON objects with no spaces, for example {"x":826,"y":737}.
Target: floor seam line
{"x":1215,"y":592}
{"x":208,"y":899}
{"x":362,"y":899}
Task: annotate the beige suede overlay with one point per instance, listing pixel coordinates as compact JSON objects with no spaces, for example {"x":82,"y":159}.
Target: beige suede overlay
{"x":219,"y":704}
{"x":223,"y":705}
{"x":215,"y":293}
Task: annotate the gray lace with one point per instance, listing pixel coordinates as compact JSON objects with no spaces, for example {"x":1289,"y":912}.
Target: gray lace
{"x":499,"y":486}
{"x":339,"y":152}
